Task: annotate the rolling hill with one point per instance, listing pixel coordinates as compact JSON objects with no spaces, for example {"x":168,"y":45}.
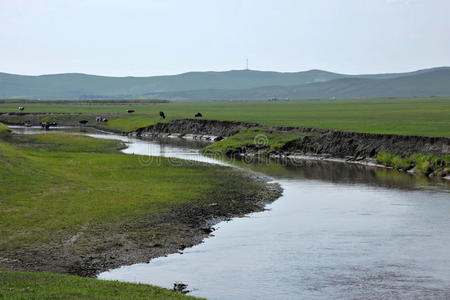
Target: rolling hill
{"x":237,"y":84}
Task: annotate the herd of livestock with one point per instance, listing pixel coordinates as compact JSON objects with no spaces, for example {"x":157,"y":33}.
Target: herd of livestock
{"x":98,"y":119}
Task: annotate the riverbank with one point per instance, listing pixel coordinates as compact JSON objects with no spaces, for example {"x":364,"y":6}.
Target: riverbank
{"x":87,"y":210}
{"x":429,"y":156}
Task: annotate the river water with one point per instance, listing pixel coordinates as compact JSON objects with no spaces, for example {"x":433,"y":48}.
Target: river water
{"x":339,"y":231}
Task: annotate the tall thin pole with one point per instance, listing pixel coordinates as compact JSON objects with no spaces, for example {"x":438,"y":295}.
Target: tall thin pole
{"x":247,"y":64}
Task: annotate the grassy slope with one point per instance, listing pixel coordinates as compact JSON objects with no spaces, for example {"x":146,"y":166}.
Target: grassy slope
{"x":259,"y":138}
{"x":23,"y":285}
{"x":398,"y":116}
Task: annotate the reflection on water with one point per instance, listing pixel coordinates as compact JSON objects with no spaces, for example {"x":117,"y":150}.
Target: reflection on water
{"x":339,"y":172}
{"x":338,"y":232}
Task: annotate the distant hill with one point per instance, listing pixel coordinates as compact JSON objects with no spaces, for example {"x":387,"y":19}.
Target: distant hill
{"x":238,"y":84}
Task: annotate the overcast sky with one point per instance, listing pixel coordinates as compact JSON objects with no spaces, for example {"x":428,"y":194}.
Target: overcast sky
{"x":152,"y":37}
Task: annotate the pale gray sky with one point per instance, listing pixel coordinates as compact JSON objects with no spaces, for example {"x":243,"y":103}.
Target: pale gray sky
{"x":151,"y":37}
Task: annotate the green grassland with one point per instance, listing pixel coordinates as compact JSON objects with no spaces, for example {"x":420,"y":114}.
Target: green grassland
{"x":56,"y":142}
{"x":45,"y":194}
{"x":258,"y":138}
{"x":4,"y":130}
{"x":42,"y":286}
{"x":418,"y":116}
{"x":81,"y":195}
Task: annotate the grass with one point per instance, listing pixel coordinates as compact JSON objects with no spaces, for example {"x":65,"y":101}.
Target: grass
{"x":256,"y":138}
{"x":77,"y":196}
{"x":418,"y":116}
{"x":4,"y":130}
{"x":48,"y":194}
{"x":422,"y":163}
{"x":56,"y":142}
{"x":128,"y":123}
{"x":26,"y":285}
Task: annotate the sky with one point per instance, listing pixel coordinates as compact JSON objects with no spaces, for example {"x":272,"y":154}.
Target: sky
{"x":158,"y":37}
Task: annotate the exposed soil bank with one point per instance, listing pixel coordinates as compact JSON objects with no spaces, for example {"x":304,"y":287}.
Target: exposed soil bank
{"x":194,"y":128}
{"x":311,"y":142}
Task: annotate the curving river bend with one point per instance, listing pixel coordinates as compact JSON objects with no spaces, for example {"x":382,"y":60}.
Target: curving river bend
{"x":339,"y":232}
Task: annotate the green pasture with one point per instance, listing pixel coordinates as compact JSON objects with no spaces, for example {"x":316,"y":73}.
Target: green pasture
{"x":418,"y":116}
{"x":43,"y":286}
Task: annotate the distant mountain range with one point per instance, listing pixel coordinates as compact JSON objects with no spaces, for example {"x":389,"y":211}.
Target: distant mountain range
{"x":229,"y":85}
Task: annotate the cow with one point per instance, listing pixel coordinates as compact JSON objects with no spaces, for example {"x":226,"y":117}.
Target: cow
{"x":21,"y":108}
{"x":198,"y":115}
{"x":45,"y":125}
{"x":130,"y":111}
{"x":100,"y":119}
{"x":83,"y":122}
{"x":162,"y":115}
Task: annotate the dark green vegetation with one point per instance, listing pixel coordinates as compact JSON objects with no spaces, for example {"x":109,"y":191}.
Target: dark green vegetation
{"x":243,"y":84}
{"x":261,"y":139}
{"x":423,"y":164}
{"x":42,"y":286}
{"x":427,"y":116}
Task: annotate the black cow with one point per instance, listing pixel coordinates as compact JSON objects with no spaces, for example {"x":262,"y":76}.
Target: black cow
{"x":46,"y":125}
{"x":130,"y":111}
{"x":198,"y":115}
{"x":162,"y":115}
{"x":83,"y":122}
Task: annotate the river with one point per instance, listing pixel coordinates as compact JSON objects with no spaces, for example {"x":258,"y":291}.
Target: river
{"x":339,"y":231}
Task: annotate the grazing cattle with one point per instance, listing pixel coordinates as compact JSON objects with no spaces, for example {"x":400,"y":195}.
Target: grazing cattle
{"x":162,"y":115}
{"x":46,"y":125}
{"x":21,"y":108}
{"x":101,"y":119}
{"x":130,"y":111}
{"x":83,"y":122}
{"x":198,"y":115}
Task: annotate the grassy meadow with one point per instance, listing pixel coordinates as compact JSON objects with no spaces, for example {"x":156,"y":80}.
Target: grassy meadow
{"x":418,"y":116}
{"x":58,"y":192}
{"x":65,"y":197}
{"x":42,"y":286}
